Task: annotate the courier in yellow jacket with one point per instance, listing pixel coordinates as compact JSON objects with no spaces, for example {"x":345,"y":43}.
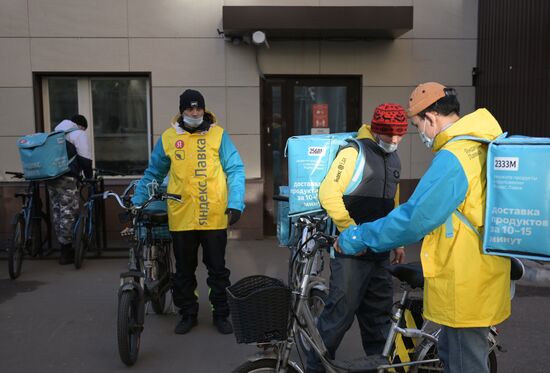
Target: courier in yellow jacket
{"x":205,"y":168}
{"x":361,"y":186}
{"x":464,"y":290}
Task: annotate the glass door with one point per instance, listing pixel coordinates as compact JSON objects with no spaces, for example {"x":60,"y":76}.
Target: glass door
{"x":302,"y":105}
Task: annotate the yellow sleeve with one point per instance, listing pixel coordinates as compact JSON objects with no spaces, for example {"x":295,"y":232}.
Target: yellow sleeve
{"x":334,"y":185}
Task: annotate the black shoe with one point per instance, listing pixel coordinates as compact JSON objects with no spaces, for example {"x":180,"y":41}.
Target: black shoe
{"x":185,"y":324}
{"x":223,"y":325}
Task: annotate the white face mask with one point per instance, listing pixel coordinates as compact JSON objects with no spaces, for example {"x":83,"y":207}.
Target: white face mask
{"x":427,"y":141}
{"x":192,"y":122}
{"x":387,"y":147}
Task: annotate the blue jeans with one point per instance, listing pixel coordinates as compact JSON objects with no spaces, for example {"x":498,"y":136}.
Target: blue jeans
{"x":464,"y":350}
{"x":358,"y":288}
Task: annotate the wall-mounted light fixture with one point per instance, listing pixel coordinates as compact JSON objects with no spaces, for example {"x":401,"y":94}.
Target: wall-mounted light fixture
{"x":259,"y":38}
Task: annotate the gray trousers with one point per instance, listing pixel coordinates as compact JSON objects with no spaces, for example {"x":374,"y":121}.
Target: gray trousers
{"x":358,"y":288}
{"x":64,"y":197}
{"x":464,"y":350}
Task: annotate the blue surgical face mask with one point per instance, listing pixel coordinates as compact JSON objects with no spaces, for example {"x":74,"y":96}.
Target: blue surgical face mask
{"x":387,"y":147}
{"x":192,"y":122}
{"x":429,"y":142}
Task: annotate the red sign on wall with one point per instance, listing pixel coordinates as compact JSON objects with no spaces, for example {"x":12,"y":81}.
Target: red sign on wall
{"x":320,"y":115}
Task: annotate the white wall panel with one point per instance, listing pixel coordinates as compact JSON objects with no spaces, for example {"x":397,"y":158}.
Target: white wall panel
{"x":455,"y":19}
{"x":15,"y":66}
{"x":10,"y":156}
{"x":16,"y":111}
{"x":180,"y":62}
{"x":78,"y":18}
{"x":243,"y":110}
{"x":76,"y":54}
{"x":14,"y":20}
{"x":241,"y":65}
{"x":174,"y":18}
{"x":402,"y":62}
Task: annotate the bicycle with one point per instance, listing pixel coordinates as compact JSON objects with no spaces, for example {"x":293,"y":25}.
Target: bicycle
{"x":87,"y":230}
{"x":149,"y":275}
{"x":277,"y":340}
{"x":27,"y":227}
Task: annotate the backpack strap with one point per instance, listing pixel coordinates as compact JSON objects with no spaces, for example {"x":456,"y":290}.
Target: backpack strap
{"x":66,"y":133}
{"x":359,"y":165}
{"x":457,"y":213}
{"x":465,"y":220}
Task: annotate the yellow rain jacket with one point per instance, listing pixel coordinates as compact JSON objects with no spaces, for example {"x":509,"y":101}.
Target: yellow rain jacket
{"x":333,"y":187}
{"x":204,"y":167}
{"x":463,"y":287}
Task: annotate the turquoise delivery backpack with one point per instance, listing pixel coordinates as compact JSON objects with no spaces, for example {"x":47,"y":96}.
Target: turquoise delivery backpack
{"x":309,"y":159}
{"x":44,"y":155}
{"x":517,"y":211}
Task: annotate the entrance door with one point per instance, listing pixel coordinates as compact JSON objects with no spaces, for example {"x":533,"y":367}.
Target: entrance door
{"x":301,"y":105}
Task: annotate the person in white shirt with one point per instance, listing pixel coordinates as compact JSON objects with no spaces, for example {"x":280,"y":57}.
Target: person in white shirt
{"x":63,"y":190}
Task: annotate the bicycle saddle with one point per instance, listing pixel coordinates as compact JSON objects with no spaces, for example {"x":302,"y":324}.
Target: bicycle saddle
{"x":155,"y":216}
{"x":410,"y":273}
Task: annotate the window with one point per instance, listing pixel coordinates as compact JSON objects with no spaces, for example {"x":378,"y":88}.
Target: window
{"x":118,"y":113}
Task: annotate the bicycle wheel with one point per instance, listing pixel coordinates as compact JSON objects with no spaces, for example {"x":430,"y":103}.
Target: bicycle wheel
{"x":316,"y":303}
{"x":15,"y":250}
{"x":128,"y":331}
{"x":80,"y":240}
{"x":262,"y":365}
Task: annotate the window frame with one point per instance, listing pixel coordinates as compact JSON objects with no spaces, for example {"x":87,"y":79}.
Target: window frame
{"x":41,"y":102}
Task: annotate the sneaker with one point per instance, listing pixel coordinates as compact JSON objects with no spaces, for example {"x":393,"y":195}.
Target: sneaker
{"x":223,"y":325}
{"x":185,"y":324}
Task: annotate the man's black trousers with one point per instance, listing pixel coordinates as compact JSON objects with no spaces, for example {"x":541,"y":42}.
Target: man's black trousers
{"x":186,"y":245}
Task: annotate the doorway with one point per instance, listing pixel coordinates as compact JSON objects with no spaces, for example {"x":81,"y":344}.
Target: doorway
{"x":301,"y":105}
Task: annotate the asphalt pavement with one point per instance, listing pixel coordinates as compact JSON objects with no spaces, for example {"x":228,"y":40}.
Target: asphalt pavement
{"x":58,"y":319}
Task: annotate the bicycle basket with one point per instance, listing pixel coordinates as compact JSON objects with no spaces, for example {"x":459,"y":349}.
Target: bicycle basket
{"x":259,"y":309}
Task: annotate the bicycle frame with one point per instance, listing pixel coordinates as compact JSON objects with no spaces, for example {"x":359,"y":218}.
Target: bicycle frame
{"x":302,"y":322}
{"x":31,"y":209}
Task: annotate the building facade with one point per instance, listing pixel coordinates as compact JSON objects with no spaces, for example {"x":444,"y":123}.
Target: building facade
{"x":123,"y":64}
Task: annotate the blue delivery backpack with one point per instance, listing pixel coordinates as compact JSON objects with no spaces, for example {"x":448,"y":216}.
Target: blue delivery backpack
{"x":44,"y":155}
{"x":309,"y":159}
{"x":517,"y":211}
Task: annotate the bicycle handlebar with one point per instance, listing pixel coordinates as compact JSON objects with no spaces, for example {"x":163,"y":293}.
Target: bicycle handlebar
{"x":15,"y":174}
{"x":154,"y":197}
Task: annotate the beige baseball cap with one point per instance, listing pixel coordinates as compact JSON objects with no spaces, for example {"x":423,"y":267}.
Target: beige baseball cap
{"x":423,"y":96}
